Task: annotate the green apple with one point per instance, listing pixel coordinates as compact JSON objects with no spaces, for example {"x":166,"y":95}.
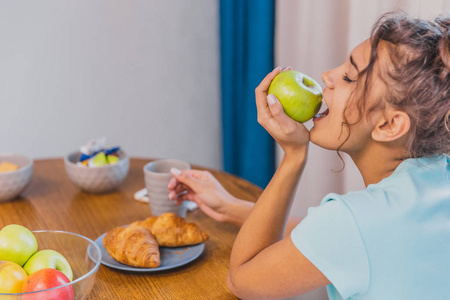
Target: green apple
{"x":12,"y":277}
{"x":17,"y":244}
{"x":48,"y":259}
{"x":299,"y":94}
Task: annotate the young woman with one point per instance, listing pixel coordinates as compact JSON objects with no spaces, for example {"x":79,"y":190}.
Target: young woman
{"x":389,"y":109}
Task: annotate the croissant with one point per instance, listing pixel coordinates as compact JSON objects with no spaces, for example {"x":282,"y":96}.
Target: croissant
{"x":173,"y":231}
{"x":133,"y":245}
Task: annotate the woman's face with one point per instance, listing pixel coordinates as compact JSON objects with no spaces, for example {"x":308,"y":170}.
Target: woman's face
{"x":341,"y":84}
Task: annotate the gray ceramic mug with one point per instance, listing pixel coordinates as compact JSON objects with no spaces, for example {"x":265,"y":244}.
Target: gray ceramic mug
{"x":157,"y":176}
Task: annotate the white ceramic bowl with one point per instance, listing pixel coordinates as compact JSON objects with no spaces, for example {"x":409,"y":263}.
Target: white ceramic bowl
{"x":83,"y":255}
{"x":12,"y":183}
{"x":97,"y":179}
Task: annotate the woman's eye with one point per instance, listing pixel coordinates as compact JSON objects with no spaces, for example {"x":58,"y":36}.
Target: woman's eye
{"x":345,"y":78}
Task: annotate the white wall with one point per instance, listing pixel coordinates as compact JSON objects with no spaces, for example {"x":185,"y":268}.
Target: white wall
{"x":144,"y":74}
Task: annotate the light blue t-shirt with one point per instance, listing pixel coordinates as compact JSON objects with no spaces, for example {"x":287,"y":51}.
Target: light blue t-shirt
{"x":390,"y":241}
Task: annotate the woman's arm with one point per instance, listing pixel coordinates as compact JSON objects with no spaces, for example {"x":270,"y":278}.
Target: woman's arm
{"x":212,"y":198}
{"x":264,"y":262}
{"x":266,"y":223}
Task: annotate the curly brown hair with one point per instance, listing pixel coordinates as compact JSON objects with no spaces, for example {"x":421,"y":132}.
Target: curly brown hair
{"x":418,"y":81}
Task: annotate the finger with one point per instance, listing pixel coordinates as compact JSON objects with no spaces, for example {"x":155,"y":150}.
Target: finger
{"x":263,"y":112}
{"x":172,"y":183}
{"x":181,"y":188}
{"x":197,"y":174}
{"x":264,"y":85}
{"x":186,"y":178}
{"x":178,"y":191}
{"x":277,"y":111}
{"x":184,"y":197}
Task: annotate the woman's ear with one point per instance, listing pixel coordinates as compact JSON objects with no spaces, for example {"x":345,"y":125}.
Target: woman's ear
{"x":391,"y":126}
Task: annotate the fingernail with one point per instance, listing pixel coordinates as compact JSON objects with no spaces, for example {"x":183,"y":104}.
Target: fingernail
{"x":277,"y":68}
{"x":271,"y":99}
{"x":175,"y":171}
{"x":287,"y":68}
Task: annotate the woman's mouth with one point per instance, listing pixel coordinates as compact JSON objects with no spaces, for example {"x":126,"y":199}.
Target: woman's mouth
{"x":321,"y":115}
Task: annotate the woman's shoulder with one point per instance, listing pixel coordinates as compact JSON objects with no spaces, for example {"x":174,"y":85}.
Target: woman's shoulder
{"x":424,"y":173}
{"x":425,"y":165}
{"x":409,"y":173}
{"x":415,"y":184}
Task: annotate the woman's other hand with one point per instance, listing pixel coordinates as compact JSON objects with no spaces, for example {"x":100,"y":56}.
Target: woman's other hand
{"x":211,"y":197}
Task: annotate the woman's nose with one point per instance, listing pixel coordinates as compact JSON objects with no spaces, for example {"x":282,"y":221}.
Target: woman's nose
{"x":327,"y":79}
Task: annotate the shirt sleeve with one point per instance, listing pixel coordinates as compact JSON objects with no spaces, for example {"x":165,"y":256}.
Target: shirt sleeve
{"x":330,"y":239}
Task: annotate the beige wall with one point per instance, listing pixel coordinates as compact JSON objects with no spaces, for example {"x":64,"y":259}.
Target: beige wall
{"x":144,"y":74}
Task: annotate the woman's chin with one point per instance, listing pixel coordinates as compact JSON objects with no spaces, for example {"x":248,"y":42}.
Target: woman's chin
{"x":322,"y":141}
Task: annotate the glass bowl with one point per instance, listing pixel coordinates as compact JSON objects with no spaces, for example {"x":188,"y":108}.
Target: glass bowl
{"x":83,"y":255}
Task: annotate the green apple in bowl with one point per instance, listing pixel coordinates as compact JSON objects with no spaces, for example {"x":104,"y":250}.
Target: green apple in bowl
{"x":299,"y":94}
{"x":48,"y":259}
{"x":17,"y":244}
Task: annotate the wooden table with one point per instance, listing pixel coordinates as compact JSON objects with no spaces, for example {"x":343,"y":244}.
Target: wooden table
{"x":52,"y":201}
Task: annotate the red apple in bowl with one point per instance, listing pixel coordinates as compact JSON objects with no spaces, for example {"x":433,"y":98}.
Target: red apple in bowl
{"x":299,"y":94}
{"x":44,"y":279}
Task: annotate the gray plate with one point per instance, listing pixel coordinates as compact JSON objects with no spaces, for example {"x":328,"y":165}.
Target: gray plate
{"x":170,"y":257}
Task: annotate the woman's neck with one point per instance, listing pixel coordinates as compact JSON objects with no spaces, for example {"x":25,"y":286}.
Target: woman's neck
{"x":377,"y":162}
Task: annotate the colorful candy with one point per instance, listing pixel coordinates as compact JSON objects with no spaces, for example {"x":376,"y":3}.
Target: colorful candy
{"x":93,"y":154}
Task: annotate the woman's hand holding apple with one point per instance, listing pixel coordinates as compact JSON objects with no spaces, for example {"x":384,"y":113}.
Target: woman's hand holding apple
{"x":292,"y":136}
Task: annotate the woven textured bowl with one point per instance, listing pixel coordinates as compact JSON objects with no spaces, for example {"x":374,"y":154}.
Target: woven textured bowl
{"x":97,"y":179}
{"x":12,"y":183}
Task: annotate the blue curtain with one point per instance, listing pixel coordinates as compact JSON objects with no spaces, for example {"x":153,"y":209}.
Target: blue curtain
{"x":246,"y":44}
